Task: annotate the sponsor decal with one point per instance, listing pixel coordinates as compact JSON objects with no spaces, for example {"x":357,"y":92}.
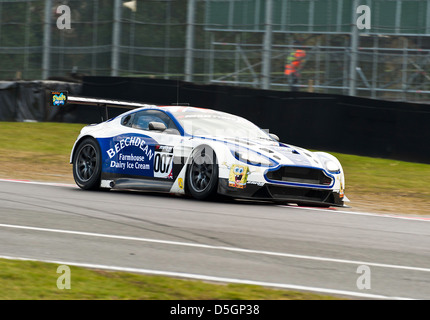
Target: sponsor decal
{"x":58,"y":98}
{"x":238,"y":176}
{"x":138,"y":155}
{"x":257,"y":183}
{"x":163,"y":162}
{"x":181,"y":183}
{"x":341,"y":191}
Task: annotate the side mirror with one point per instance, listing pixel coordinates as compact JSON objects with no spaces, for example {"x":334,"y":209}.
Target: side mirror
{"x":157,"y":126}
{"x":274,"y":136}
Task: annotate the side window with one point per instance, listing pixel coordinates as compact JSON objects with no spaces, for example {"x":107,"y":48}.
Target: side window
{"x":143,"y":118}
{"x":127,"y":120}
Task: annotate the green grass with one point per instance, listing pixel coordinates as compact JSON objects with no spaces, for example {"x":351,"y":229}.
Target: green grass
{"x":366,"y":175}
{"x":29,"y":280}
{"x":45,"y":138}
{"x":37,"y":151}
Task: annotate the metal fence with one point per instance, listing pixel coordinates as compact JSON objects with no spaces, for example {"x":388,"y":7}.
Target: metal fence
{"x":234,"y":42}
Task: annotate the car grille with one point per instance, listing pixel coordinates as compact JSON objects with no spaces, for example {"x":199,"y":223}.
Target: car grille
{"x":299,"y":194}
{"x":302,"y":175}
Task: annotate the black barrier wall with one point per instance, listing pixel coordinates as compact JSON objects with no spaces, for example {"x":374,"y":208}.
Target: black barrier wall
{"x":27,"y":101}
{"x":334,"y":123}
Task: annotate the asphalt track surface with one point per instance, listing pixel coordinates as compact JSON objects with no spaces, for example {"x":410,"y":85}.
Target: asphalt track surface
{"x":334,"y":252}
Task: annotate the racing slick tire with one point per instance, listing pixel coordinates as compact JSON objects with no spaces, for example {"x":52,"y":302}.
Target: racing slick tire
{"x":87,"y":164}
{"x":202,"y":173}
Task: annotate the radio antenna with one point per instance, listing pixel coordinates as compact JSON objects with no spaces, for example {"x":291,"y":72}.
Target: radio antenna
{"x":177,"y":91}
{"x":177,"y":96}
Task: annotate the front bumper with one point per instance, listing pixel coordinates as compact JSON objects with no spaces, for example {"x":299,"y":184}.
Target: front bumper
{"x":282,"y":193}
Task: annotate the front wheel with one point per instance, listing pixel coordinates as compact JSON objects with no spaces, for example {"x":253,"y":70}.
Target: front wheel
{"x":202,"y":175}
{"x":87,"y":165}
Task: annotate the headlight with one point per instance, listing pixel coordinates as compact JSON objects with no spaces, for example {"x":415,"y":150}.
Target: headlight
{"x":331,"y":166}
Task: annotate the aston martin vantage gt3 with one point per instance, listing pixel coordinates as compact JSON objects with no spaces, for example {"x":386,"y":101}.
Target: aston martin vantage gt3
{"x":202,"y":153}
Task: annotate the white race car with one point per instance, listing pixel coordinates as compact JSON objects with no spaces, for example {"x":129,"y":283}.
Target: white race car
{"x":201,"y":153}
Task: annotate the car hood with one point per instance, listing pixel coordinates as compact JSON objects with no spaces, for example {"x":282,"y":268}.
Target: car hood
{"x":281,"y":153}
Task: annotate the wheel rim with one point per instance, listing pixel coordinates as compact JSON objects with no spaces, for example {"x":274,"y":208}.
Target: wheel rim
{"x":86,"y":162}
{"x":201,"y":172}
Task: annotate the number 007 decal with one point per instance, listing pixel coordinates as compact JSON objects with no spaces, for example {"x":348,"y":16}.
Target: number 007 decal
{"x":163,"y":165}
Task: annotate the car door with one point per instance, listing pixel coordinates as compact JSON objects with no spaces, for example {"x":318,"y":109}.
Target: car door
{"x":149,"y":146}
{"x":163,"y":141}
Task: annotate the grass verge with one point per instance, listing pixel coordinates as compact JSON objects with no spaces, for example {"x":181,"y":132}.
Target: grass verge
{"x":40,"y":151}
{"x":29,"y":280}
{"x":386,"y":186}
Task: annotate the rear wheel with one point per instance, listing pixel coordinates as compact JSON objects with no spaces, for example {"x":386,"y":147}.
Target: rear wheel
{"x":202,"y":175}
{"x":87,"y":165}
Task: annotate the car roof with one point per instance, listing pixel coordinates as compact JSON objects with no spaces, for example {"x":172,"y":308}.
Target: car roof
{"x":173,"y":109}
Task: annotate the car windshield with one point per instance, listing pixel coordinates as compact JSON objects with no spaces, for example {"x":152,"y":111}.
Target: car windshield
{"x":204,"y":122}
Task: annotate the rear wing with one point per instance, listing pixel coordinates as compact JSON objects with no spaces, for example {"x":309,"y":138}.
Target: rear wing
{"x":61,"y":98}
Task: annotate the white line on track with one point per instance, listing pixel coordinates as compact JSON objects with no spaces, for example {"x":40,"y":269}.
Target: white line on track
{"x":361,"y":213}
{"x":210,"y":247}
{"x":214,"y":279}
